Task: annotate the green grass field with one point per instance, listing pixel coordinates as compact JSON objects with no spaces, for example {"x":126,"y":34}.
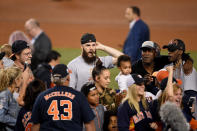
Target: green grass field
{"x":67,"y":54}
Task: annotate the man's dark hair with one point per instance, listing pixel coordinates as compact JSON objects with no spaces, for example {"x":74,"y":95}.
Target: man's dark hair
{"x":136,"y":10}
{"x":124,"y":58}
{"x":53,"y":55}
{"x":86,"y":88}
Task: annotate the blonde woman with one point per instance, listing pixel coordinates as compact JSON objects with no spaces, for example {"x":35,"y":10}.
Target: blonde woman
{"x":134,"y":113}
{"x":10,"y":79}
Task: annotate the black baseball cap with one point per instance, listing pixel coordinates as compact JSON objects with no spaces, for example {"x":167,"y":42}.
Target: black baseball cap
{"x":175,"y":44}
{"x":135,"y":79}
{"x":18,"y":46}
{"x":87,"y":37}
{"x":60,"y":70}
{"x":164,"y":82}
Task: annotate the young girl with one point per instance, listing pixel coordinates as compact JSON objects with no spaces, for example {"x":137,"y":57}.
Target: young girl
{"x":110,"y":123}
{"x":10,"y":79}
{"x":107,"y":96}
{"x":91,"y":93}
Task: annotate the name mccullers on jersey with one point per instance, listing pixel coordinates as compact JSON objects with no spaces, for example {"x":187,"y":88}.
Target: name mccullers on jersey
{"x":58,"y":93}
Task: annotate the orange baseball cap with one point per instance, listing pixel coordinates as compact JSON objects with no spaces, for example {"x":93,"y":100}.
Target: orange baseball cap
{"x":160,"y":75}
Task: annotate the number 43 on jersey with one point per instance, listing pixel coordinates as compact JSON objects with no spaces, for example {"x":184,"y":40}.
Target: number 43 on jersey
{"x":54,"y":111}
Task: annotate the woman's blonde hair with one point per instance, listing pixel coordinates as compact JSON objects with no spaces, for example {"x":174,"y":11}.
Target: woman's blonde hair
{"x":7,"y":49}
{"x":7,"y":77}
{"x":132,"y":98}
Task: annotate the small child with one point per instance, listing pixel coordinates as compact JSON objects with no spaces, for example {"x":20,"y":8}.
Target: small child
{"x":92,"y":95}
{"x":124,"y":64}
{"x":7,"y":62}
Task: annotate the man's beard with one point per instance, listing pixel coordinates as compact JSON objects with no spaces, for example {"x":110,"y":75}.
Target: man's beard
{"x":88,"y":59}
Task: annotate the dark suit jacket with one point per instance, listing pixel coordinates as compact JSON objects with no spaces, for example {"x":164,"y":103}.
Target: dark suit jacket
{"x":41,"y":49}
{"x":137,"y":35}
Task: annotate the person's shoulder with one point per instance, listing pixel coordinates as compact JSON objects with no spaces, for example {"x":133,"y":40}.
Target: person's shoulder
{"x":105,"y":57}
{"x":100,"y":107}
{"x":125,"y":104}
{"x":43,"y":37}
{"x":73,"y":91}
{"x":4,"y":94}
{"x":75,"y":61}
{"x":137,"y":64}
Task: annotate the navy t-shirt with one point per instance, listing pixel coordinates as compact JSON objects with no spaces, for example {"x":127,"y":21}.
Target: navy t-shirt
{"x":61,"y":108}
{"x":23,"y":122}
{"x":130,"y":120}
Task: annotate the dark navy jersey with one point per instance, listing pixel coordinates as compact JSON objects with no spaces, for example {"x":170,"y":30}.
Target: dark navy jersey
{"x":130,"y":120}
{"x":23,"y":122}
{"x":61,"y":108}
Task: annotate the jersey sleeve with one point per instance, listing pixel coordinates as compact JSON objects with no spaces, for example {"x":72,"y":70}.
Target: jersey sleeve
{"x":86,"y":111}
{"x":73,"y":76}
{"x":123,"y":117}
{"x":107,"y":61}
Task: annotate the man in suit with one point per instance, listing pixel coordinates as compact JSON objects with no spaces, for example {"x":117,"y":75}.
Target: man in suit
{"x":41,"y":43}
{"x":139,"y":32}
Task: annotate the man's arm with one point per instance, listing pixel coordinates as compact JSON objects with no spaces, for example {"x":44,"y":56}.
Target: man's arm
{"x":90,"y":126}
{"x":111,"y":51}
{"x":35,"y":127}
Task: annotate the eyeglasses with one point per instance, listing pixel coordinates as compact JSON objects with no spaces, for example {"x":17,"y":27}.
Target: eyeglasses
{"x":28,"y":54}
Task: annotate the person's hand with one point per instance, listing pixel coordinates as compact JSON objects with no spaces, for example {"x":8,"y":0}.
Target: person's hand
{"x":153,"y":125}
{"x":27,"y":75}
{"x":99,"y":46}
{"x":169,"y":68}
{"x":148,"y":79}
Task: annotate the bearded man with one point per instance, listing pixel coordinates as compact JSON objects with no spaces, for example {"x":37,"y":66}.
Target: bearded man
{"x":82,"y":66}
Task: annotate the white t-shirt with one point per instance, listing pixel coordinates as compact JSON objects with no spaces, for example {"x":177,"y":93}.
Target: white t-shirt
{"x":122,"y":81}
{"x":82,"y":72}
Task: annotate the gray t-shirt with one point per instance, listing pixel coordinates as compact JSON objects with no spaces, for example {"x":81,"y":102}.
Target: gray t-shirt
{"x":82,"y":72}
{"x":99,"y":117}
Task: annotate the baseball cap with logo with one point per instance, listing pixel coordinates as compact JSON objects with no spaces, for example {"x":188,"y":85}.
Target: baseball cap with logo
{"x":18,"y":46}
{"x":175,"y":44}
{"x":135,"y":79}
{"x":87,"y":37}
{"x":148,"y":44}
{"x":60,"y":70}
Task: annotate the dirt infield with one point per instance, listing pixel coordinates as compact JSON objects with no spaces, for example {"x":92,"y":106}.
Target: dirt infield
{"x":66,"y":20}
